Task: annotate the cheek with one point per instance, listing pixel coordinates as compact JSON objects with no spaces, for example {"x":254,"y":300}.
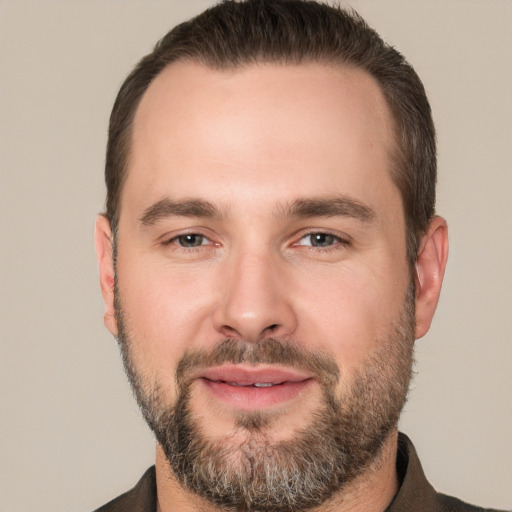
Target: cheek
{"x":350,"y":312}
{"x":164,"y":310}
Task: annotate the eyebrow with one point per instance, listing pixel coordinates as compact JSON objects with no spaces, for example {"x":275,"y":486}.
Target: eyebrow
{"x":183,"y":208}
{"x":332,"y":206}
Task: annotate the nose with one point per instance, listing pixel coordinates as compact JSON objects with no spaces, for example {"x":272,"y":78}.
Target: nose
{"x":255,"y":300}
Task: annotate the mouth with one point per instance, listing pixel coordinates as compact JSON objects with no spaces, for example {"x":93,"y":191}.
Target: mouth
{"x":249,"y":388}
{"x":256,"y":384}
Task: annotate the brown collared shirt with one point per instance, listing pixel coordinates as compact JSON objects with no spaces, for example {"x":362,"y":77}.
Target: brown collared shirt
{"x":415,"y":493}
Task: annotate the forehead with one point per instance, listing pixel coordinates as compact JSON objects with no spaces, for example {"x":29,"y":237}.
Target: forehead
{"x":264,"y":126}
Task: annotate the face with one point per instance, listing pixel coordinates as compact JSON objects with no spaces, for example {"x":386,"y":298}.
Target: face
{"x":263,"y":296}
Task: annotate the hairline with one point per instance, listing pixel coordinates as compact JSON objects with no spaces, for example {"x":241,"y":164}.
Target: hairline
{"x":393,"y":146}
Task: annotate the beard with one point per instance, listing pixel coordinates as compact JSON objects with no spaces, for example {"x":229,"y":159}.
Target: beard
{"x":343,"y":438}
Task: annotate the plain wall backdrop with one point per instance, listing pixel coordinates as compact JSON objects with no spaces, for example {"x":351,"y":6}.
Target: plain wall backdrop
{"x":71,"y":435}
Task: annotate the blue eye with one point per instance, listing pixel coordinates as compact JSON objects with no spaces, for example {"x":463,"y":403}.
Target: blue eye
{"x":323,"y":239}
{"x":319,"y":240}
{"x":191,"y":240}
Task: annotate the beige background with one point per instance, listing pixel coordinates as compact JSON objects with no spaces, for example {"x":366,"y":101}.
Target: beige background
{"x":71,"y":436}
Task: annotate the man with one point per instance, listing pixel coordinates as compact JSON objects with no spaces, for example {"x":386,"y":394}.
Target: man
{"x":268,"y":256}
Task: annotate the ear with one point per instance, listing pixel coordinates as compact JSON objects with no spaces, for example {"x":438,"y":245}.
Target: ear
{"x":430,"y":267}
{"x":103,"y":243}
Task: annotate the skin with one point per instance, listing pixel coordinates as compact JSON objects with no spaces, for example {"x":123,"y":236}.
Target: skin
{"x":250,"y":142}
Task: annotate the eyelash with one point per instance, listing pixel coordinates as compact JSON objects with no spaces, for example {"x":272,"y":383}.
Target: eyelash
{"x":175,"y":239}
{"x":338,"y":242}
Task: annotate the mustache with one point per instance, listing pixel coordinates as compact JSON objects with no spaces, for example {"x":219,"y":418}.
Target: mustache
{"x":268,"y":351}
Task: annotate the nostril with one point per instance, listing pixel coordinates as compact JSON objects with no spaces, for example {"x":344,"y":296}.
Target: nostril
{"x":272,"y":327}
{"x":230,"y":332}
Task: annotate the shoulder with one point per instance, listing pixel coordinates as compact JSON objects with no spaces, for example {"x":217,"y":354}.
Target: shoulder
{"x":451,"y":504}
{"x":415,"y":491}
{"x":142,"y":498}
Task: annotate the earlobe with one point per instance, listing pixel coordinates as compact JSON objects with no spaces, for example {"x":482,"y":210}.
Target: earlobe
{"x":103,"y":243}
{"x":430,"y":267}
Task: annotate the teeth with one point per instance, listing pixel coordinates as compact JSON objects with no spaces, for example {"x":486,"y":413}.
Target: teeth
{"x":256,"y":384}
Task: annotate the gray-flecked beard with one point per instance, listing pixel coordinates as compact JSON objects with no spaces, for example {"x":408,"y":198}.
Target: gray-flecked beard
{"x":343,"y":438}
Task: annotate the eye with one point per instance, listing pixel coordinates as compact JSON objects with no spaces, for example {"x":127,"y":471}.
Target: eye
{"x":190,"y":240}
{"x":320,"y":240}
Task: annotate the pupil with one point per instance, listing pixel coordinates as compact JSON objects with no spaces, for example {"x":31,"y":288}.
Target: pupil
{"x":321,"y":240}
{"x":190,"y":240}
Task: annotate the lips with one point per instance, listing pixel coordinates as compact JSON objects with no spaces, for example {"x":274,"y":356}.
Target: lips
{"x":250,"y":388}
{"x":237,"y":375}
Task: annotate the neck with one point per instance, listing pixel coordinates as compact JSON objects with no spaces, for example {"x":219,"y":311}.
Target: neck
{"x":372,"y":491}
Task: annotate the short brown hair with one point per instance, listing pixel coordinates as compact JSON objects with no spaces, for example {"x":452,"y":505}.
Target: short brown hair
{"x":235,"y":34}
